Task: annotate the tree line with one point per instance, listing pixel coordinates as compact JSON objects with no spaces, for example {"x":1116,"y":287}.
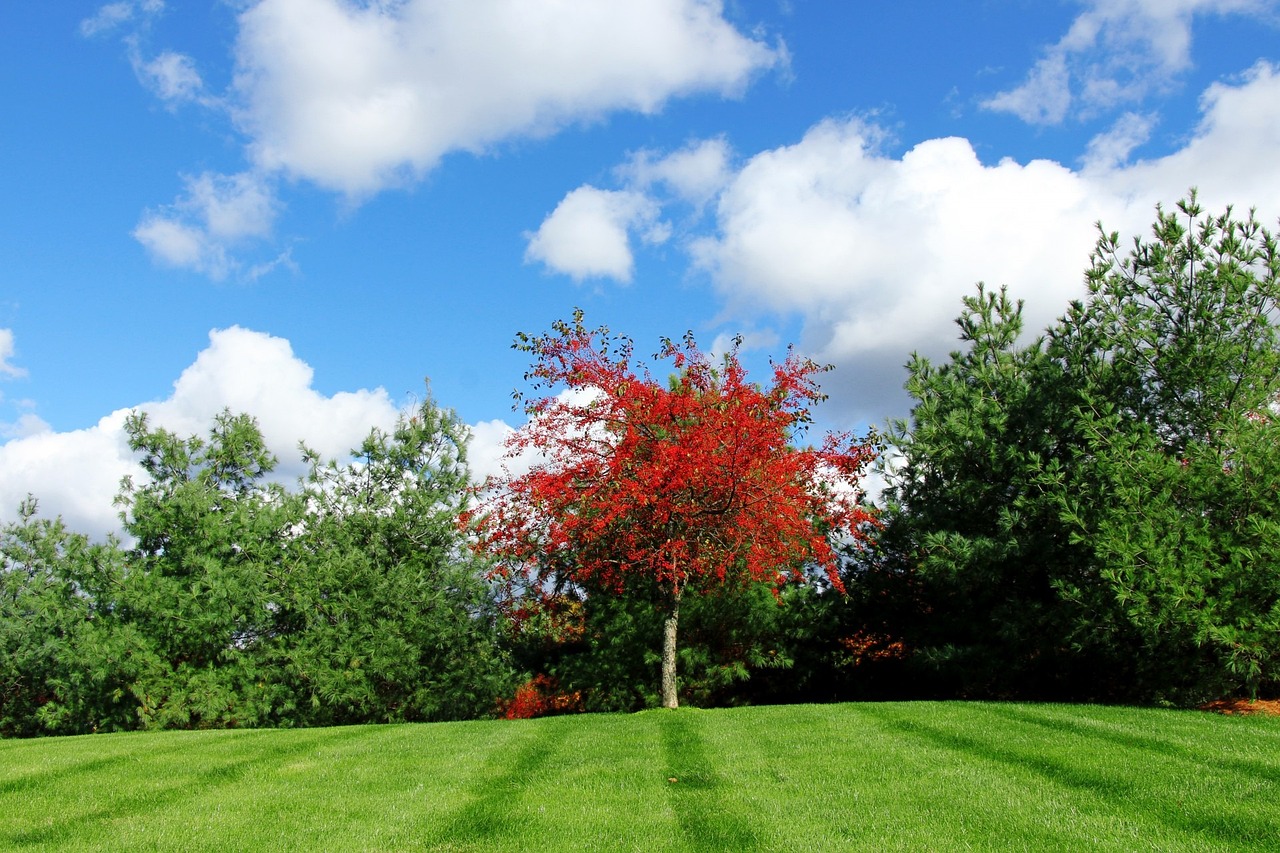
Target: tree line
{"x":1091,"y":514}
{"x":352,"y":598}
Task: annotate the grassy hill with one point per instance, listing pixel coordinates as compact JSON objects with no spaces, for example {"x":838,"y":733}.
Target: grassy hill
{"x":894,"y":776}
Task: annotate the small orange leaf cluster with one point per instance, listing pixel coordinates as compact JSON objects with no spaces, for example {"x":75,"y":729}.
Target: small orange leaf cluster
{"x":539,"y":697}
{"x":865,"y":646}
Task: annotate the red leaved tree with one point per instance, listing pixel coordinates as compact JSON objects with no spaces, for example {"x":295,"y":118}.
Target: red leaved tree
{"x":684,"y":485}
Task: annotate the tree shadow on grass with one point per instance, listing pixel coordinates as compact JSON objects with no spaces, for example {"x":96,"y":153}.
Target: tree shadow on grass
{"x":39,"y":778}
{"x":73,"y":827}
{"x":1118,"y":794}
{"x":1135,"y":740}
{"x":490,"y":814}
{"x":702,"y":802}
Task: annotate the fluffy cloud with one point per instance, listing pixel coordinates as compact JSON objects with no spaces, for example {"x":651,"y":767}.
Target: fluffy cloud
{"x":26,"y":424}
{"x":588,"y":234}
{"x":1231,"y":155}
{"x":112,"y":15}
{"x":1116,"y":52}
{"x":1044,"y":98}
{"x":77,"y":474}
{"x":487,"y":452}
{"x":214,"y":215}
{"x":7,"y":368}
{"x":358,"y":97}
{"x":695,"y":173}
{"x":252,"y":372}
{"x":873,"y":252}
{"x":171,"y":76}
{"x":1113,"y":147}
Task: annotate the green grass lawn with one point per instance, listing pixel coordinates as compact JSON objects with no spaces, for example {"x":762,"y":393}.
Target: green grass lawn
{"x":897,"y":776}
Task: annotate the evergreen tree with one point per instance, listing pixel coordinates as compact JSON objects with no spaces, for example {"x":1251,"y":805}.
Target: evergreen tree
{"x":1097,"y":513}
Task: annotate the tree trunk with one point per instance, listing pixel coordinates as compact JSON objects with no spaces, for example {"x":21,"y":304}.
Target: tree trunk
{"x":669,"y":696}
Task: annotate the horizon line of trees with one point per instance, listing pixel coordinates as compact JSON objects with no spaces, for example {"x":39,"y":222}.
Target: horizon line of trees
{"x":1092,"y":514}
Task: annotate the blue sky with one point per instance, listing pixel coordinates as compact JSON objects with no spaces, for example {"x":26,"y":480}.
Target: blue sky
{"x":304,"y":208}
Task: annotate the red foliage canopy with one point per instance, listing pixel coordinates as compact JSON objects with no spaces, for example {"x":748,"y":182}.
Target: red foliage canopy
{"x":692,"y":482}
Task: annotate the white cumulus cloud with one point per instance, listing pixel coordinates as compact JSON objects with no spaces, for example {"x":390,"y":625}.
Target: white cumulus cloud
{"x":1112,"y":148}
{"x":589,"y":233}
{"x":1116,"y":52}
{"x":487,"y":450}
{"x":359,"y":97}
{"x":1231,"y":156}
{"x":7,"y":349}
{"x":26,"y":424}
{"x":77,"y":473}
{"x":216,"y":214}
{"x":873,"y":252}
{"x":695,"y":173}
{"x":171,"y":76}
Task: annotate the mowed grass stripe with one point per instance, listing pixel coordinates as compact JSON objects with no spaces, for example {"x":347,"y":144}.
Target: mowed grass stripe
{"x":894,"y":776}
{"x":1230,"y":795}
{"x":1012,"y":781}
